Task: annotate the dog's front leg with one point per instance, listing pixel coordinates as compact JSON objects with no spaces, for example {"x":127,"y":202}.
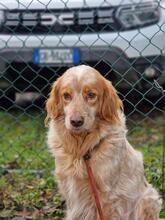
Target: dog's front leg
{"x":86,"y":214}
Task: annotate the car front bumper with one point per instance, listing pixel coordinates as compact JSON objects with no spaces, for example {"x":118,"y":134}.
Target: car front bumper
{"x":125,"y":73}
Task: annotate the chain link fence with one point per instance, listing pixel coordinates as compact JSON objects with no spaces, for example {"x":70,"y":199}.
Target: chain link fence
{"x":39,"y":40}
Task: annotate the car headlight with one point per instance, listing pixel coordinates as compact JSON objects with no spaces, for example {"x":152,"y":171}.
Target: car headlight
{"x":2,"y":17}
{"x":138,"y":15}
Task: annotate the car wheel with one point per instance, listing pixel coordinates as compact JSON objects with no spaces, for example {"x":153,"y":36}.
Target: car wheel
{"x":7,"y":99}
{"x":157,"y":102}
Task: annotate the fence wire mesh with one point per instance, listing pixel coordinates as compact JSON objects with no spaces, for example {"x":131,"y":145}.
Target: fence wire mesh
{"x":39,"y":40}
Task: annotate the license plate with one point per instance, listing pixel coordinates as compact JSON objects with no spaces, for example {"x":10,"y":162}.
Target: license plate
{"x":56,"y":56}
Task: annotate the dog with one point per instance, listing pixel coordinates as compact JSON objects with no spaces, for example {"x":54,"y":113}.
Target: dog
{"x":85,"y":114}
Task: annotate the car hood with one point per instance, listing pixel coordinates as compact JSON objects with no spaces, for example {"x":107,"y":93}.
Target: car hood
{"x":59,"y":4}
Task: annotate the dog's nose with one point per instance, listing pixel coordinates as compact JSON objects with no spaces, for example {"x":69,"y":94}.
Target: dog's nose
{"x":78,"y":122}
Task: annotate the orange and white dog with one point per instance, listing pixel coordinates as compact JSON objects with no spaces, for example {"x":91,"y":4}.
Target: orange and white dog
{"x":86,"y":114}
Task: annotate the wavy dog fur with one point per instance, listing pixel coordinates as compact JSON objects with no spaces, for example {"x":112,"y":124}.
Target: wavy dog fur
{"x":85,"y":113}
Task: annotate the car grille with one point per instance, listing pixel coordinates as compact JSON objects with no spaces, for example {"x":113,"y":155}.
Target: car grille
{"x":85,"y":20}
{"x":60,"y":21}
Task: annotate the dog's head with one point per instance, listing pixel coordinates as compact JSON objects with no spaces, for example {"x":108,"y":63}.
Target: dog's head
{"x":81,"y":96}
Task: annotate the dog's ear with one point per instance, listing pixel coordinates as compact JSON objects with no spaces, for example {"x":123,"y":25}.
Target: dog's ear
{"x":53,"y":104}
{"x":110,"y":103}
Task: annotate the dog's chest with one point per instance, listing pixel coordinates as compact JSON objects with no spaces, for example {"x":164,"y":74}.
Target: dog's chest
{"x":71,"y":168}
{"x":74,"y":171}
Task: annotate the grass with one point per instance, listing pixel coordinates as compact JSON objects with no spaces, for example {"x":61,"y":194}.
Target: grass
{"x":27,"y":185}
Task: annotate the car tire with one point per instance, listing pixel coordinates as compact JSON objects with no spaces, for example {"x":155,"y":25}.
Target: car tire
{"x":157,"y":102}
{"x":7,"y":99}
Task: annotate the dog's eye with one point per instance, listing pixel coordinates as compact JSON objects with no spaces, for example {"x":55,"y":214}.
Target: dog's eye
{"x":67,"y":96}
{"x":91,"y":95}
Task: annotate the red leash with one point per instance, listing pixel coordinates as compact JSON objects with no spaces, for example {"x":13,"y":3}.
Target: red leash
{"x":92,"y":182}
